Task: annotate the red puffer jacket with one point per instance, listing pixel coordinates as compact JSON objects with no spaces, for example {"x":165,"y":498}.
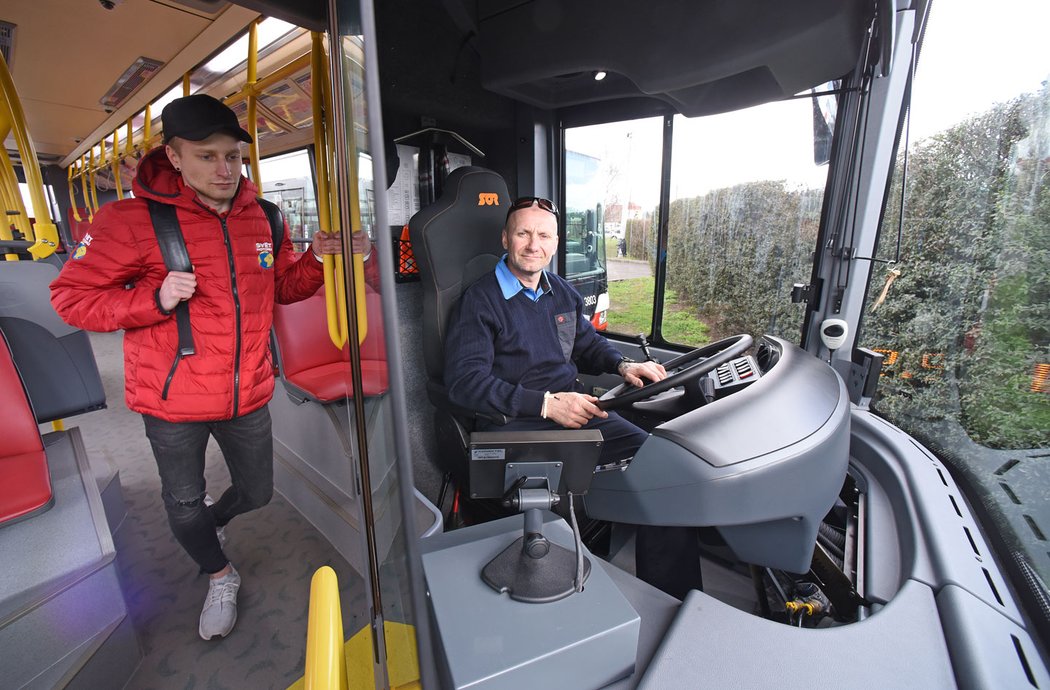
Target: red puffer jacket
{"x":110,"y":284}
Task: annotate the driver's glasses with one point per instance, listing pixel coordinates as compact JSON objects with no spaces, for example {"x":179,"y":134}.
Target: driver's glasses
{"x":528,"y":201}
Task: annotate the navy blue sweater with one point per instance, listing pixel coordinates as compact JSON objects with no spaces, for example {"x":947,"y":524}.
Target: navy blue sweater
{"x":501,"y":355}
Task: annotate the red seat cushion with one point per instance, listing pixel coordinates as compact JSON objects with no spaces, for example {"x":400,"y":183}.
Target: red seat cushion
{"x":312,"y":363}
{"x":26,"y":483}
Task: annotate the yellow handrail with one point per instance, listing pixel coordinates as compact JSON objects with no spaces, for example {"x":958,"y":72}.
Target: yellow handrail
{"x":93,"y":168}
{"x":116,"y":165}
{"x":73,"y":197}
{"x":12,"y":119}
{"x":325,"y":660}
{"x":84,"y":188}
{"x":253,"y":119}
{"x":327,"y":206}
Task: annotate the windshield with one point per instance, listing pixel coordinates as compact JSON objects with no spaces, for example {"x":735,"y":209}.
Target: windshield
{"x":963,"y":319}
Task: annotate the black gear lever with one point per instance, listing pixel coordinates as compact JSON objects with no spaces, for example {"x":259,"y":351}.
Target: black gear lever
{"x":644,"y":344}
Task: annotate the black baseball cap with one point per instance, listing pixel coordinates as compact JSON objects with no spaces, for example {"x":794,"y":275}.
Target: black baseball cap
{"x":197,"y":117}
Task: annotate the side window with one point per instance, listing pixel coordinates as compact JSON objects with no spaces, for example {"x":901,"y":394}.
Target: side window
{"x":746,"y":199}
{"x":612,"y":193}
{"x":288,"y":182}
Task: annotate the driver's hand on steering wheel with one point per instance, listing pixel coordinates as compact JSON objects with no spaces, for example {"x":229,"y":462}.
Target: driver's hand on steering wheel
{"x":635,"y":372}
{"x":573,"y":410}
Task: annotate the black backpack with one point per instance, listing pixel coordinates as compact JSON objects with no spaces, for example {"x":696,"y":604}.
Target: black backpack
{"x":176,"y":258}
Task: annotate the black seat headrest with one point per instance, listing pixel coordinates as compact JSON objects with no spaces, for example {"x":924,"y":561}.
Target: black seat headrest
{"x":456,"y":240}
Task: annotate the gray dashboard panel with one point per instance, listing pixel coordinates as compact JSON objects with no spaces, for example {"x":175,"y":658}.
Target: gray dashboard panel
{"x":713,"y":645}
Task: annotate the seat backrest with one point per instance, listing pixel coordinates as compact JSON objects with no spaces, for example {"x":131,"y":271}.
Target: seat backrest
{"x":455,"y":240}
{"x":55,"y":359}
{"x":308,"y":358}
{"x":26,"y":485}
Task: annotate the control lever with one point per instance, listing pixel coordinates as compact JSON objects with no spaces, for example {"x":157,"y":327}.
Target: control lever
{"x":644,"y":344}
{"x":707,"y":389}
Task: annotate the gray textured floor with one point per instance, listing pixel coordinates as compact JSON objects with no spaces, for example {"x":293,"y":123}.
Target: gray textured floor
{"x":275,"y":550}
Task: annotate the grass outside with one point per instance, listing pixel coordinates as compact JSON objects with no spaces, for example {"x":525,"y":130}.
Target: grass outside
{"x":631,"y":313}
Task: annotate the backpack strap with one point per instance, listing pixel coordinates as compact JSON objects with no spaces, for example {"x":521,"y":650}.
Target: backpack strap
{"x":176,"y":258}
{"x":276,"y":220}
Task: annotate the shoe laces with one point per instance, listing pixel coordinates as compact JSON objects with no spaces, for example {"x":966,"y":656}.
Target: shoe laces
{"x":223,"y":591}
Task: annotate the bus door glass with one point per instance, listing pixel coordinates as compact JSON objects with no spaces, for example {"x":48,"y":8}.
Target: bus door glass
{"x":746,"y":200}
{"x":612,"y":190}
{"x":961,"y":312}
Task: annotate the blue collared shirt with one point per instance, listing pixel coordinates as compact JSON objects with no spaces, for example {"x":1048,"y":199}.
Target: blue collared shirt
{"x":511,"y":286}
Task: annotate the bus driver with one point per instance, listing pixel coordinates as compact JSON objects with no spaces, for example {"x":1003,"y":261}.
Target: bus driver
{"x":118,"y":280}
{"x":515,"y":346}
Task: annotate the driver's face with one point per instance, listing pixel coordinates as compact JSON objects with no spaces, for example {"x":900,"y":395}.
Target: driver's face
{"x":530,"y":238}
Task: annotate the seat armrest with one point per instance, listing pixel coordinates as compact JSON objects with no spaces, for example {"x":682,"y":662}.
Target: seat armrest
{"x":438,"y":395}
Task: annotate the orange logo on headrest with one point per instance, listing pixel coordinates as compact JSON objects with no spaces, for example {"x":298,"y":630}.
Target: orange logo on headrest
{"x":487,"y":199}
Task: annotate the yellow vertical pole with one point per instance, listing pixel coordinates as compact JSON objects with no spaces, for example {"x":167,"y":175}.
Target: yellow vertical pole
{"x":327,"y":208}
{"x":325,"y":667}
{"x":13,"y":203}
{"x":129,"y":147}
{"x":45,"y":234}
{"x":186,"y":84}
{"x":253,"y":119}
{"x":93,"y":169}
{"x":10,"y":198}
{"x":84,"y":188}
{"x":147,"y":125}
{"x":116,"y":165}
{"x":72,"y":195}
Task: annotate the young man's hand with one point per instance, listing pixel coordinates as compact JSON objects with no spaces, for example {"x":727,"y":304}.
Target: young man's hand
{"x":177,"y":287}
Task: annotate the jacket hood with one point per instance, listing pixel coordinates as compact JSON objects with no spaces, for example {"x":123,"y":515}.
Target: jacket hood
{"x":157,"y":179}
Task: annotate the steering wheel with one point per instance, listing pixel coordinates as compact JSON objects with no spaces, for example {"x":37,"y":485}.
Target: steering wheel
{"x":680,"y":370}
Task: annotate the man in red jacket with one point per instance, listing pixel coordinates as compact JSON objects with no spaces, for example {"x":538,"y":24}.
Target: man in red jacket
{"x":117,"y":280}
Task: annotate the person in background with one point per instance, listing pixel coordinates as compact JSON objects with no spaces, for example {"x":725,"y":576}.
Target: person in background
{"x":118,"y":280}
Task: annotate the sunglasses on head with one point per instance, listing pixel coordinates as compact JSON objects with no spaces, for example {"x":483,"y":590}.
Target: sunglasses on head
{"x":528,"y":201}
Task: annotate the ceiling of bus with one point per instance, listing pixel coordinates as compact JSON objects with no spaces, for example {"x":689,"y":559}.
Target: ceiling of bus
{"x":61,"y":67}
{"x":725,"y":55}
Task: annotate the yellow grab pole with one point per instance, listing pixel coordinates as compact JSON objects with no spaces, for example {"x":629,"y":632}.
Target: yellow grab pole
{"x":45,"y":234}
{"x":334,"y":289}
{"x":325,"y":661}
{"x":146,"y":134}
{"x":116,"y":165}
{"x":186,"y":84}
{"x":270,"y":79}
{"x":84,"y":188}
{"x":11,"y":205}
{"x":72,"y":196}
{"x":94,"y":190}
{"x":253,"y":119}
{"x":128,"y":135}
{"x":12,"y":198}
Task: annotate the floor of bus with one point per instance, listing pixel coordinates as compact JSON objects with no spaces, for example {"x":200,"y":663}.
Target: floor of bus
{"x":275,"y":549}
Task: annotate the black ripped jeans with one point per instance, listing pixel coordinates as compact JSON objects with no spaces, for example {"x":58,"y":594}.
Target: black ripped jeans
{"x":246,"y":443}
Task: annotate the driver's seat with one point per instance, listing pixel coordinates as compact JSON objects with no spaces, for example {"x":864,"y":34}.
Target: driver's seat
{"x":456,"y":240}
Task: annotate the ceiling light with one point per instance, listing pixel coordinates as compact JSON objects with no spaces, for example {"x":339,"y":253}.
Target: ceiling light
{"x":599,"y":75}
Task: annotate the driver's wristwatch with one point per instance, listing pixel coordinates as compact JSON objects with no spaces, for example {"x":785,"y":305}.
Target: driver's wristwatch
{"x":619,"y":367}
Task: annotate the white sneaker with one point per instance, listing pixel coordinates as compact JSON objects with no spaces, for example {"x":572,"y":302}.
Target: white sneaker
{"x":220,"y":532}
{"x":220,"y":607}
